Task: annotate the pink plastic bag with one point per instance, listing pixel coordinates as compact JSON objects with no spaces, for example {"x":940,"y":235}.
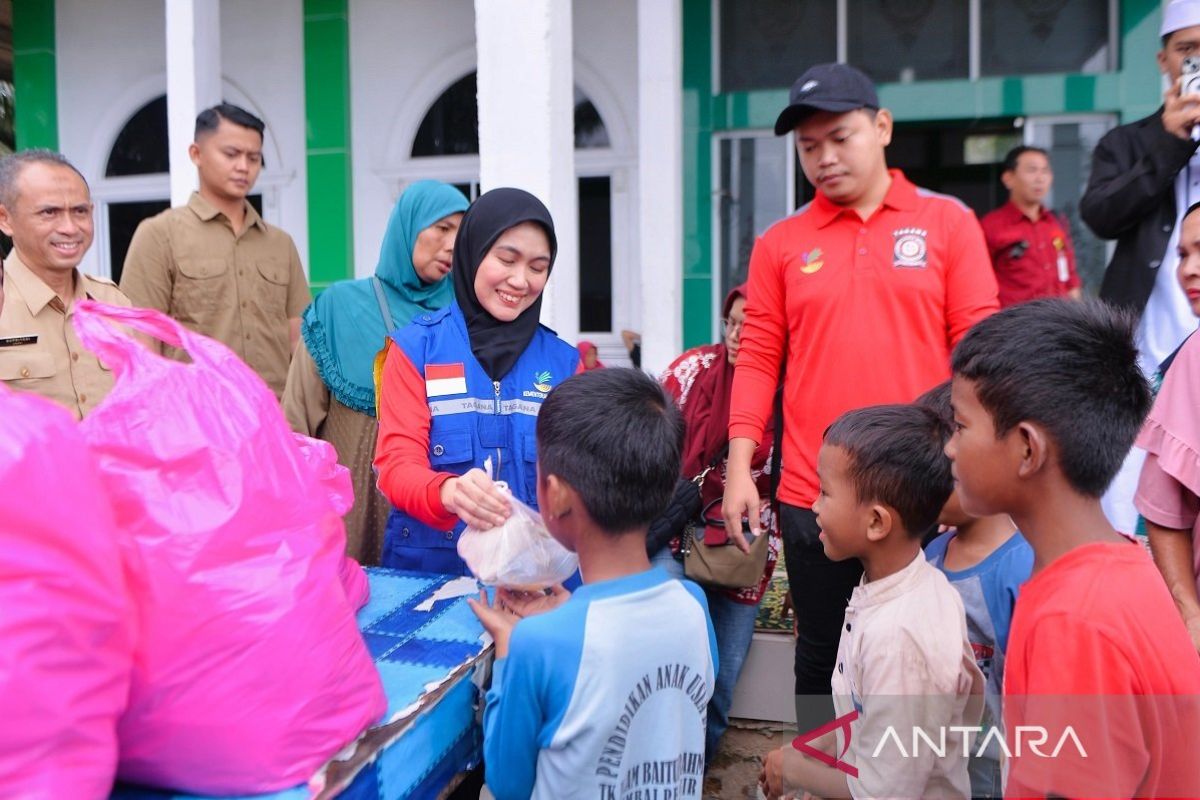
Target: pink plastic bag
{"x":336,"y":481}
{"x":251,"y":672}
{"x":66,"y":623}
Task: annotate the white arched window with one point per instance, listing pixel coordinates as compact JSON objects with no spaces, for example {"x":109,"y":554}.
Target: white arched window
{"x":445,"y":146}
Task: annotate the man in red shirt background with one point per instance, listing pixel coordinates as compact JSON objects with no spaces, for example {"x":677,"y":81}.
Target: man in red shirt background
{"x":864,"y":292}
{"x":1030,"y":247}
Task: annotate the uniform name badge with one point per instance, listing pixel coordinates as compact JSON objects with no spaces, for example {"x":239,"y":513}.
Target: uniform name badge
{"x":1060,"y":248}
{"x":442,"y":380}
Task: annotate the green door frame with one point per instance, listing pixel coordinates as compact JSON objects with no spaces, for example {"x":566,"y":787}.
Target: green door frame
{"x":1130,"y":92}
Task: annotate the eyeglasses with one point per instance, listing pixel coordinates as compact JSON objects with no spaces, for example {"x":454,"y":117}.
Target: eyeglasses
{"x":732,"y":326}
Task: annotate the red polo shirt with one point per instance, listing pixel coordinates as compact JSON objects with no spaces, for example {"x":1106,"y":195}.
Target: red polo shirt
{"x":1097,"y":645}
{"x":1032,"y":258}
{"x":866,"y":312}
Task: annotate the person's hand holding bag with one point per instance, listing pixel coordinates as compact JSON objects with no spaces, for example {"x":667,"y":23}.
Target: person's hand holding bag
{"x":476,"y":499}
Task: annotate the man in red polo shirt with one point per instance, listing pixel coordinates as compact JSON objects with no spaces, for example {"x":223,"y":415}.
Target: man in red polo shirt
{"x":1031,"y":250}
{"x":865,"y":291}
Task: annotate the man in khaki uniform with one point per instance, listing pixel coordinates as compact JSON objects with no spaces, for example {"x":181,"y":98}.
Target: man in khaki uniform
{"x":214,"y":264}
{"x":46,"y":208}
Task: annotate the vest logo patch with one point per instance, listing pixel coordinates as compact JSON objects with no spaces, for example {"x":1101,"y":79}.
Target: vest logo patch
{"x":910,"y":250}
{"x":541,"y":381}
{"x":445,"y":379}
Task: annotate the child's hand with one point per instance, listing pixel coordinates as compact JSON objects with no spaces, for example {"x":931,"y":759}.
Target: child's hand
{"x":497,"y":621}
{"x":771,"y":779}
{"x":527,"y":604}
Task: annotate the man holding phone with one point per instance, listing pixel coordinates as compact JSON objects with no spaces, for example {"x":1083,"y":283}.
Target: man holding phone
{"x":1145,"y":174}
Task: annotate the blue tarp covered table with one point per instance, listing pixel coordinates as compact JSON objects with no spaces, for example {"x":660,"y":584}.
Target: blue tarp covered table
{"x":431,"y":663}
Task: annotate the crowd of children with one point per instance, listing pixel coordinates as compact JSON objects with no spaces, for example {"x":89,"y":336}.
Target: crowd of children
{"x":1029,"y":646}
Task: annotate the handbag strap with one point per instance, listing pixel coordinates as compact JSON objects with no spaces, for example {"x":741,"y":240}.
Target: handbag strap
{"x":380,"y":298}
{"x":717,"y":459}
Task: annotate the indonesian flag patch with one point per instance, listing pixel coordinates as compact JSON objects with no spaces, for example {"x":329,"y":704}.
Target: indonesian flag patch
{"x":445,"y":379}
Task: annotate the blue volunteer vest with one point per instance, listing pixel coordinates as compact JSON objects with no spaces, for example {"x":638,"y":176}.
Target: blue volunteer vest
{"x":472,"y":418}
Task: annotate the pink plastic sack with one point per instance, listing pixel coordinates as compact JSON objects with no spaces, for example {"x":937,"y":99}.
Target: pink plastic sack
{"x":66,"y":623}
{"x":337,"y":483}
{"x":250,"y":672}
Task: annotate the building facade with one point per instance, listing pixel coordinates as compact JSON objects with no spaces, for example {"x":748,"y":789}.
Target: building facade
{"x":361,"y":97}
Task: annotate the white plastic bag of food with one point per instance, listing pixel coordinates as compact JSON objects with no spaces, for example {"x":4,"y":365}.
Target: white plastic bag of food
{"x":520,"y":554}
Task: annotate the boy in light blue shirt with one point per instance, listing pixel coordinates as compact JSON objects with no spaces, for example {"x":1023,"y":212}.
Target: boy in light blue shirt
{"x":602,"y":693}
{"x":986,"y":559}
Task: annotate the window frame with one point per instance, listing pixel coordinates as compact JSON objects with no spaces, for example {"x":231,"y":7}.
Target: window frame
{"x":974,"y":43}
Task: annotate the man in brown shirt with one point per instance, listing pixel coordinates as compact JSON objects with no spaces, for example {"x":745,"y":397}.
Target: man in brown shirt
{"x":46,"y":208}
{"x":214,"y":264}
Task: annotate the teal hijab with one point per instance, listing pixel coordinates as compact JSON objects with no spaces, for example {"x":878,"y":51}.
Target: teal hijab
{"x":344,"y":327}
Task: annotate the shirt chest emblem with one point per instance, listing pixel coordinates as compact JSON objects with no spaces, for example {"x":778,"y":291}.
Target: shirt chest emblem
{"x":812,"y":261}
{"x":910,"y":250}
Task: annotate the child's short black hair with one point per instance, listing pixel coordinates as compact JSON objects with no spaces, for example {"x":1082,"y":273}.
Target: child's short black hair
{"x":1069,"y":366}
{"x":896,"y":458}
{"x":616,"y":437}
{"x":937,"y":400}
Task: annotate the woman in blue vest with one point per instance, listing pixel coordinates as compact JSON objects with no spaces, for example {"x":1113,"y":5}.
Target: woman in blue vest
{"x":464,"y":385}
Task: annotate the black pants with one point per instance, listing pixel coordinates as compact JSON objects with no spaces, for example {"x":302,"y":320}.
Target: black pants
{"x":820,"y":591}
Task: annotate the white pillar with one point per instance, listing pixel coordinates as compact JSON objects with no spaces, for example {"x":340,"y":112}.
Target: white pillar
{"x":526,"y":127}
{"x":193,"y":82}
{"x":660,"y":179}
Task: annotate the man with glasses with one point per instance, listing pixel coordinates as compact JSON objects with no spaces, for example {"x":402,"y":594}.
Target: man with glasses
{"x":864,"y":292}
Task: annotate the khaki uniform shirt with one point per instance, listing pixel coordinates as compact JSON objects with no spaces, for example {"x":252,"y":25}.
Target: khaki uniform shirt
{"x":39,"y":351}
{"x":238,"y":289}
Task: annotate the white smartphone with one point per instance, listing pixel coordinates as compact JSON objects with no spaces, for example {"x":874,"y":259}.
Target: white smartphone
{"x":1190,"y":73}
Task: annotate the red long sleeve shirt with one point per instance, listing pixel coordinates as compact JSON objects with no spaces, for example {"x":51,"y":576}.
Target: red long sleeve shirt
{"x":402,"y":451}
{"x":866,"y":312}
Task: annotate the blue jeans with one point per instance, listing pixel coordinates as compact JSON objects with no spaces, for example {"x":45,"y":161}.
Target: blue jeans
{"x":733,"y":623}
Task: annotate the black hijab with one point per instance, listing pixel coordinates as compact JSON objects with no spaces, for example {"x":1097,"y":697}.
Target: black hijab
{"x":497,"y":345}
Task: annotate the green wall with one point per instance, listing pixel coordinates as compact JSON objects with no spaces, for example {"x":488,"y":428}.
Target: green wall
{"x":1131,"y":92}
{"x":327,"y":114}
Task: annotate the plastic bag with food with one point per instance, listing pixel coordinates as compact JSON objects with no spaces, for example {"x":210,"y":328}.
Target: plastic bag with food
{"x":519,"y":554}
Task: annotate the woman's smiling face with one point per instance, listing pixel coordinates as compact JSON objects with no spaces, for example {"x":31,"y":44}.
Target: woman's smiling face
{"x":513,"y":274}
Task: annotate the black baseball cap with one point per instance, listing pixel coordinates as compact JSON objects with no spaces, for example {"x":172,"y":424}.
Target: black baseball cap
{"x":826,"y":87}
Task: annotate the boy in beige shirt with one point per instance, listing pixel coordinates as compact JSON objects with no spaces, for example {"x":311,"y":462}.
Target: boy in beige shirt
{"x":905,"y":687}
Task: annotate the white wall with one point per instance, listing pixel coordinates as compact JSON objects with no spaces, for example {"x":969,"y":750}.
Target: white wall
{"x":403,"y":55}
{"x":111,"y":60}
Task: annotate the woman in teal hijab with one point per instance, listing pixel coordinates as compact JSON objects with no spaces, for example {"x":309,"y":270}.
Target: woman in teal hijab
{"x":330,"y":392}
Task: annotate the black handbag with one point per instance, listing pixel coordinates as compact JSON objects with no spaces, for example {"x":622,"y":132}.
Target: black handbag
{"x":684,"y":508}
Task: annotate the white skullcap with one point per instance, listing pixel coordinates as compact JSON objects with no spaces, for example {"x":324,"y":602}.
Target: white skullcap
{"x":1180,"y":14}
